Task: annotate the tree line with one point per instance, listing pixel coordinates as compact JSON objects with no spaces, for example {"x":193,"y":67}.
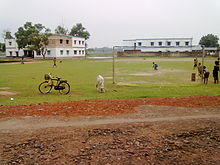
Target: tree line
{"x":35,"y":36}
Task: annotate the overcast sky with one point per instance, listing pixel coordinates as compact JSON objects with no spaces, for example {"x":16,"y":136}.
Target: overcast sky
{"x":111,"y":21}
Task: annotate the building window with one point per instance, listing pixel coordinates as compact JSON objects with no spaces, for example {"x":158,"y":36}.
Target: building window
{"x":178,"y":43}
{"x":38,"y":53}
{"x":75,"y":42}
{"x":48,"y":52}
{"x":83,"y":51}
{"x":79,"y":51}
{"x":187,"y":43}
{"x":82,"y":42}
{"x":168,"y":43}
{"x":10,"y":43}
{"x":17,"y":54}
{"x":152,"y":43}
{"x":139,"y":43}
{"x":75,"y":51}
{"x":79,"y":42}
{"x":10,"y":53}
{"x":61,"y":52}
{"x":61,"y":41}
{"x":67,"y":41}
{"x":67,"y":52}
{"x":160,"y":43}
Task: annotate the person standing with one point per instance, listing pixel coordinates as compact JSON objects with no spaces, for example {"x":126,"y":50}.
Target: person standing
{"x":206,"y":75}
{"x":54,"y":62}
{"x":215,"y":72}
{"x":22,"y":59}
{"x":195,"y":63}
{"x":199,"y":67}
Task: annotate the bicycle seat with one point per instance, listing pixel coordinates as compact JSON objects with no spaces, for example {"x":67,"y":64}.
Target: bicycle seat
{"x":58,"y":78}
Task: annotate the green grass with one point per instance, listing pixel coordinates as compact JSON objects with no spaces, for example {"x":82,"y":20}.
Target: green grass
{"x":2,"y":54}
{"x":135,"y":79}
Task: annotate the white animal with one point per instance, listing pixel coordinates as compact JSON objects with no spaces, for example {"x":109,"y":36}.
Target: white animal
{"x":100,"y":84}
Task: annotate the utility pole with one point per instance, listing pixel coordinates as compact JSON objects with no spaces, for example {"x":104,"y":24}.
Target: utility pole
{"x":113,"y":66}
{"x":218,"y":52}
{"x":203,"y":55}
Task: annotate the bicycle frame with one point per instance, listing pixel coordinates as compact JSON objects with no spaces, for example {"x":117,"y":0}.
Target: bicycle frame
{"x":55,"y":82}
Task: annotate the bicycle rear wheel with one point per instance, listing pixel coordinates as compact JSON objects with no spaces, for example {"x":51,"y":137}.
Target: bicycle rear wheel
{"x":65,"y":88}
{"x":44,"y":88}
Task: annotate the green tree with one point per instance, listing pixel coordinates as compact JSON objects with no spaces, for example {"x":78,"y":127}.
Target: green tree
{"x":209,"y":40}
{"x":7,"y":35}
{"x":2,"y":47}
{"x":33,"y":37}
{"x":80,"y":31}
{"x":61,"y":30}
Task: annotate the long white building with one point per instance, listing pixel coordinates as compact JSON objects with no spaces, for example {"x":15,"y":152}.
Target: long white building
{"x":159,"y":45}
{"x":59,"y":46}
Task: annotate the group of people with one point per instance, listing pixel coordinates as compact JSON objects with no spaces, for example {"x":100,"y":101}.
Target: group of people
{"x":204,"y":72}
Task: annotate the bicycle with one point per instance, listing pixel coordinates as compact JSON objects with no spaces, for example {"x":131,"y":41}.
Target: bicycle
{"x":56,"y":83}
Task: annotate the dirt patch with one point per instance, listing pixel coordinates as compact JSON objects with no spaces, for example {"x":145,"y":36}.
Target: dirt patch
{"x":7,"y":93}
{"x":156,"y":72}
{"x":184,"y":143}
{"x":145,"y":131}
{"x":144,"y":74}
{"x":126,"y":84}
{"x":105,"y":107}
{"x":4,"y":88}
{"x":4,"y":92}
{"x":181,"y":131}
{"x":144,"y":114}
{"x":146,"y":59}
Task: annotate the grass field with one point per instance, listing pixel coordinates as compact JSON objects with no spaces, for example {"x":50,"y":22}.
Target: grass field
{"x":2,"y":54}
{"x":135,"y":78}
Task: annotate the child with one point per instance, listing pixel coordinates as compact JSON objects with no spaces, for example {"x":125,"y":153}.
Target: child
{"x":155,"y":66}
{"x":199,"y":67}
{"x":54,"y":62}
{"x":215,"y":72}
{"x":195,"y":63}
{"x":206,"y":75}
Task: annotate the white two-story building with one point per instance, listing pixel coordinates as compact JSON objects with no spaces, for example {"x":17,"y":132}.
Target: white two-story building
{"x":59,"y":46}
{"x":159,"y":45}
{"x":11,"y":48}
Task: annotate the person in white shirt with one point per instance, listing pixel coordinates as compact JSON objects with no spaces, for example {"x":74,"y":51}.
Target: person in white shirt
{"x":100,"y":84}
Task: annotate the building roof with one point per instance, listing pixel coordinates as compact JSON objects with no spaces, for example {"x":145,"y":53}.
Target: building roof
{"x":159,"y":39}
{"x":69,"y":36}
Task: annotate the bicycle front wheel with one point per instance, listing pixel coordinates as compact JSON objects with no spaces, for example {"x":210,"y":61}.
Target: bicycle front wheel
{"x":64,"y":88}
{"x":44,"y":87}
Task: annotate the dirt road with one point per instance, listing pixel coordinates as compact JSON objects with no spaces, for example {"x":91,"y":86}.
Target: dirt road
{"x":139,"y":131}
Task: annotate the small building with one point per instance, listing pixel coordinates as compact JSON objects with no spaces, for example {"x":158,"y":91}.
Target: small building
{"x":159,"y":45}
{"x":59,"y":46}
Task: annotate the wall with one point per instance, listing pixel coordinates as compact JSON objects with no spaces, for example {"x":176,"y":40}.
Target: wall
{"x":13,"y":48}
{"x":158,"y":54}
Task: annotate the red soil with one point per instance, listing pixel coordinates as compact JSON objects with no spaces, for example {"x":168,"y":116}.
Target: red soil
{"x":104,"y":107}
